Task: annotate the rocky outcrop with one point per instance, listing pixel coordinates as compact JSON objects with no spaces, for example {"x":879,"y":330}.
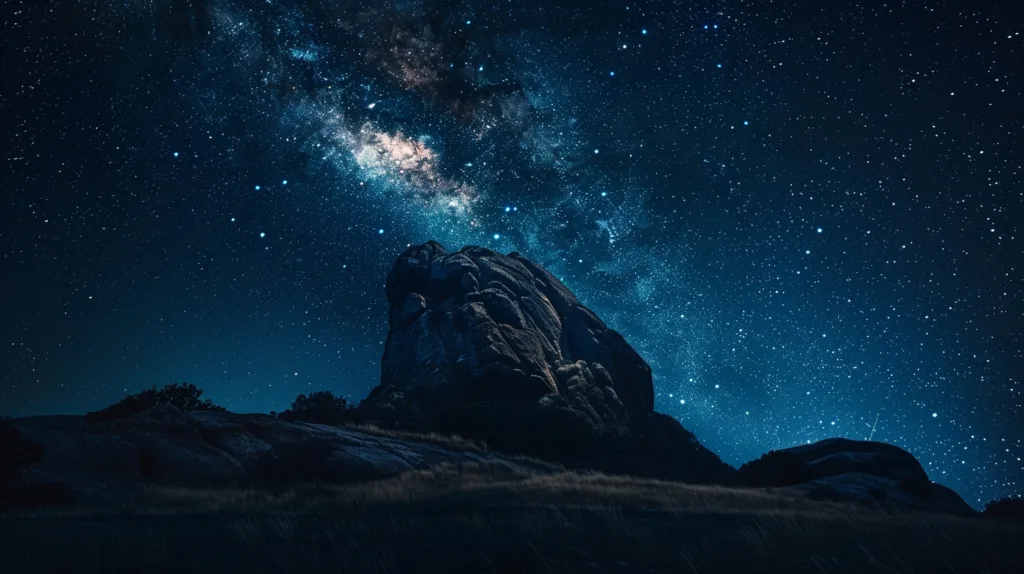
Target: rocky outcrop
{"x":853,"y":471}
{"x":495,"y":348}
{"x":164,"y":446}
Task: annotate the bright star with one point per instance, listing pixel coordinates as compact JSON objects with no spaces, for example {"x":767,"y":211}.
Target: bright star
{"x":719,"y":65}
{"x":819,"y":230}
{"x":643,"y":31}
{"x":257,"y":188}
{"x":497,"y":236}
{"x":263,"y":234}
{"x":611,"y":74}
{"x":935,"y":415}
{"x":746,"y":123}
{"x":508,"y":209}
{"x":380,"y":232}
{"x":175,"y":154}
{"x":284,"y":182}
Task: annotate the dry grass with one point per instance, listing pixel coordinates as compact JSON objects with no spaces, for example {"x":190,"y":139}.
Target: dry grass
{"x":502,"y":518}
{"x":453,"y":442}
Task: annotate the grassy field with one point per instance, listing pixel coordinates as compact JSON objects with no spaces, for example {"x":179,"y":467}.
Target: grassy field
{"x":500,"y":518}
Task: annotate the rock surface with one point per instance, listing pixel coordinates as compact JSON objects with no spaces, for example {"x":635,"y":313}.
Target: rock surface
{"x":167,"y":447}
{"x":856,"y":471}
{"x":495,"y":348}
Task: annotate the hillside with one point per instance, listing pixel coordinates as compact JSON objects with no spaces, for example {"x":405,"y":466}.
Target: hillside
{"x":501,"y":517}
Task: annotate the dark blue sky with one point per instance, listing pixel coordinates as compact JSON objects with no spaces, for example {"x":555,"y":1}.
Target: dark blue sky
{"x":804,"y":215}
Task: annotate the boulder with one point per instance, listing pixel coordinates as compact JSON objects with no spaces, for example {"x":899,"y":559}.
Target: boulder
{"x":853,"y":471}
{"x":495,"y":348}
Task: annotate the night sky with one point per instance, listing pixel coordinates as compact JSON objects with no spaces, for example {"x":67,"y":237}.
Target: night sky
{"x":805,"y":215}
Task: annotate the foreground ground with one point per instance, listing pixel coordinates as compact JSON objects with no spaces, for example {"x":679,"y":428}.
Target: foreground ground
{"x":500,"y":518}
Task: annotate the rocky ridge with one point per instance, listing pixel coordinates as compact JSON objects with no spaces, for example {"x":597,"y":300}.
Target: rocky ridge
{"x":164,"y":446}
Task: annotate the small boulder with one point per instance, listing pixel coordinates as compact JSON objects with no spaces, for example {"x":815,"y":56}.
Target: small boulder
{"x":853,"y":471}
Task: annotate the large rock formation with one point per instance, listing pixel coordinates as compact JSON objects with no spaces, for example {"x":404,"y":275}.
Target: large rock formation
{"x":496,"y":348}
{"x":855,"y":471}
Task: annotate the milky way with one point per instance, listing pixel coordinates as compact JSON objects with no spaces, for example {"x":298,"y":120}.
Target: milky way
{"x":805,"y":217}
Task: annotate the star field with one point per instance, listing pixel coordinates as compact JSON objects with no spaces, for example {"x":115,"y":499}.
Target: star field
{"x":805,"y":216}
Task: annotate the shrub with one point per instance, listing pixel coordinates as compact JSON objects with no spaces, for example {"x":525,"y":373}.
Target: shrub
{"x":319,"y":400}
{"x":320,"y":407}
{"x":185,"y":396}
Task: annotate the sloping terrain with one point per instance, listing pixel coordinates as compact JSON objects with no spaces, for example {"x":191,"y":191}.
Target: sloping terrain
{"x":501,"y":517}
{"x":164,"y":446}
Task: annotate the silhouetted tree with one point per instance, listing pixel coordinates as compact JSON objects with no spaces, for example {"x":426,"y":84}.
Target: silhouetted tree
{"x":185,"y":396}
{"x":319,"y":407}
